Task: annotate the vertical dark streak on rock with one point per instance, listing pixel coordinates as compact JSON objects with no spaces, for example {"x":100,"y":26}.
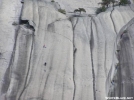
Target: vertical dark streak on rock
{"x":74,"y":55}
{"x":75,"y":26}
{"x":91,"y":49}
{"x":113,"y":20}
{"x":74,"y":74}
{"x":26,"y":79}
{"x":31,"y":77}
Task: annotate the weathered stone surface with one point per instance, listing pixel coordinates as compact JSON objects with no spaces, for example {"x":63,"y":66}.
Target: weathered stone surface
{"x":8,"y":15}
{"x":52,"y":56}
{"x":122,"y":76}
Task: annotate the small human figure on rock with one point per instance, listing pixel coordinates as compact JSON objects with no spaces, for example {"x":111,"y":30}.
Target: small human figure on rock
{"x":113,"y":82}
{"x":75,"y":50}
{"x":44,"y":46}
{"x":45,"y":63}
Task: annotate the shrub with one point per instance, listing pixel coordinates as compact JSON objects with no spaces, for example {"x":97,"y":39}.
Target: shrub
{"x":62,"y":11}
{"x":80,"y":10}
{"x":101,"y":9}
{"x":124,"y":2}
{"x":105,"y":3}
{"x":76,"y":10}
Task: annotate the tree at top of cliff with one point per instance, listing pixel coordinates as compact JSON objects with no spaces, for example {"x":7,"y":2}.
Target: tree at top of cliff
{"x":80,"y":10}
{"x":105,"y":4}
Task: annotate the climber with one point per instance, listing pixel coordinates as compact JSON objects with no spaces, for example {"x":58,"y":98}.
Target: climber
{"x":44,"y":46}
{"x":118,"y":50}
{"x":112,"y":82}
{"x":75,"y":50}
{"x":45,"y":64}
{"x":117,"y":65}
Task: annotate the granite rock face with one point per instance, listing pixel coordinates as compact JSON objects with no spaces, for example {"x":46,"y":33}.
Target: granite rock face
{"x":121,"y":73}
{"x":47,"y":55}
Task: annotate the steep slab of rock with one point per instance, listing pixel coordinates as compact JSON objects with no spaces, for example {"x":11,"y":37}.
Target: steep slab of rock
{"x":121,"y":74}
{"x":61,"y":57}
